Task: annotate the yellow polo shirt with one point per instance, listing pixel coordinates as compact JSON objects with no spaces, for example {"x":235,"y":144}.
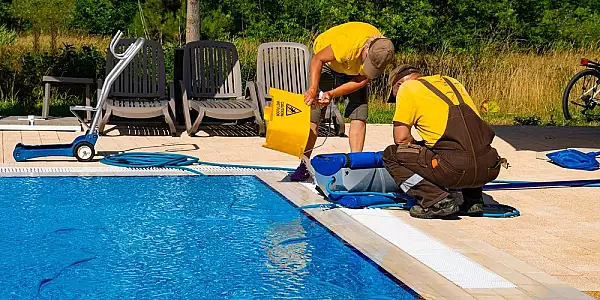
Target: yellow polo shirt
{"x":346,"y":41}
{"x":418,"y":106}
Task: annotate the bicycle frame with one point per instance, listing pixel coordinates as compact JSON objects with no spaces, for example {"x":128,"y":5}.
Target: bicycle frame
{"x":594,"y":66}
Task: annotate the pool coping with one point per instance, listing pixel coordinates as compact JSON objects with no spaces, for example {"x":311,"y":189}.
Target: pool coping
{"x":531,"y":283}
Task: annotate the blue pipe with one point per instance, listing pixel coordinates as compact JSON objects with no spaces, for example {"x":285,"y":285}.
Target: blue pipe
{"x":398,"y":205}
{"x":319,"y":205}
{"x":245,"y":166}
{"x":533,"y":184}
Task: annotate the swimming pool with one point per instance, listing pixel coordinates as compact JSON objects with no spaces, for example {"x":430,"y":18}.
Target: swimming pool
{"x":173,"y":237}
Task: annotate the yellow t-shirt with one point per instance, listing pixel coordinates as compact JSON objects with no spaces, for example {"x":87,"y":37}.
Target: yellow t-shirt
{"x":418,"y":106}
{"x":346,"y":41}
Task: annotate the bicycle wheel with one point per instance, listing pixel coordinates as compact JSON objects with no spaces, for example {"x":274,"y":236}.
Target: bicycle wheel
{"x":581,"y":98}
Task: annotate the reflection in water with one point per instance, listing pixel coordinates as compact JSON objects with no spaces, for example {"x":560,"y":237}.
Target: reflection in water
{"x":288,"y":247}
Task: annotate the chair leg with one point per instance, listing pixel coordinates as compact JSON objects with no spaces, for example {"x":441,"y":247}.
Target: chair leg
{"x":192,"y":131}
{"x":186,"y":108}
{"x":169,"y":121}
{"x":260,"y":122}
{"x":104,"y":120}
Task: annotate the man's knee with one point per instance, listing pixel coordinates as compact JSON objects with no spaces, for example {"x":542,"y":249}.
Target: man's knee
{"x":316,"y":115}
{"x":357,"y":112}
{"x":389,"y":154}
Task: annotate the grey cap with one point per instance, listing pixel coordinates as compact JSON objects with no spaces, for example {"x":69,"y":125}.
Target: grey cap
{"x":401,"y":71}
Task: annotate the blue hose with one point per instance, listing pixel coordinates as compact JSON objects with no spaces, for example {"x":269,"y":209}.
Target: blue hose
{"x":341,"y":194}
{"x":171,"y":160}
{"x":152,"y":160}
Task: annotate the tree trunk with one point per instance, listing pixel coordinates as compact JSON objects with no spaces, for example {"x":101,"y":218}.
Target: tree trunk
{"x":36,"y":38}
{"x":53,"y":35}
{"x":192,"y":28}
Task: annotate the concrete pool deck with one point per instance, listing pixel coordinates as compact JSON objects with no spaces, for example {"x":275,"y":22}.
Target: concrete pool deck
{"x":552,"y":246}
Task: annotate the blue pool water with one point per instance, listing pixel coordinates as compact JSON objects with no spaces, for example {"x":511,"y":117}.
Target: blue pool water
{"x":172,"y":238}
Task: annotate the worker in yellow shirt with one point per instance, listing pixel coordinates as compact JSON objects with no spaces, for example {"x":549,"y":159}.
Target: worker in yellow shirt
{"x":455,"y":153}
{"x":346,"y":58}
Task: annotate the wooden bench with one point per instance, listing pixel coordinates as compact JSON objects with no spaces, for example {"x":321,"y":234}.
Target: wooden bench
{"x":48,"y":80}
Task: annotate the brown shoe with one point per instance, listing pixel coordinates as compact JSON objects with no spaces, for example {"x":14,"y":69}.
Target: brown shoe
{"x":472,"y":205}
{"x":443,"y":208}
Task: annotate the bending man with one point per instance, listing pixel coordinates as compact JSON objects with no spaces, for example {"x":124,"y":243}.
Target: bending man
{"x":456,"y":150}
{"x":347,"y":57}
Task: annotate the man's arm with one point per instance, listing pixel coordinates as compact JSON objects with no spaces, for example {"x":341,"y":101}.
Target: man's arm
{"x":349,"y":87}
{"x":316,"y":66}
{"x":402,"y":134}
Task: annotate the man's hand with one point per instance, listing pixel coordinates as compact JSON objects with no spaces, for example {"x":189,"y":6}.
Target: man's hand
{"x":326,"y":98}
{"x":310,"y":96}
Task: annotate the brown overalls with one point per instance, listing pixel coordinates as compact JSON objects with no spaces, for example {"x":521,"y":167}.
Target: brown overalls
{"x":461,"y":159}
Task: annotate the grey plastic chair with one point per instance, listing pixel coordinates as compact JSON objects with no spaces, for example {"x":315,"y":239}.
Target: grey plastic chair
{"x":139,"y":92}
{"x":212,"y":85}
{"x":285,"y":66}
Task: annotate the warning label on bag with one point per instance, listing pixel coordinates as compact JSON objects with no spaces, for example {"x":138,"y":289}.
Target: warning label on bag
{"x":279,"y":110}
{"x":291,"y":110}
{"x":285,"y":110}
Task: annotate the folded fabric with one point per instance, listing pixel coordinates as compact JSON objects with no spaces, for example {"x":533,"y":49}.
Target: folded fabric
{"x":575,"y":159}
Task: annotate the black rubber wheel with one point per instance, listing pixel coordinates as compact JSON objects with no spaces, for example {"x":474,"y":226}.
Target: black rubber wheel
{"x":576,"y":102}
{"x":84,"y":152}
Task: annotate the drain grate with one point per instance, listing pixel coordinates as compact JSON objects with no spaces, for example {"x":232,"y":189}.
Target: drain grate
{"x":32,"y":171}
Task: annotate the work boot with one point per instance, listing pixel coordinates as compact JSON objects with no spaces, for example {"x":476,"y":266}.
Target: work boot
{"x":443,"y":208}
{"x":472,"y":205}
{"x":300,"y":174}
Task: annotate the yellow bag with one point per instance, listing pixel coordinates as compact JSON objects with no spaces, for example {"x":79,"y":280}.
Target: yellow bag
{"x":288,"y":123}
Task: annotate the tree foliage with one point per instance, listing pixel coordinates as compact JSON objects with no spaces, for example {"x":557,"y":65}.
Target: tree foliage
{"x":454,"y":25}
{"x":104,"y":16}
{"x":45,"y":15}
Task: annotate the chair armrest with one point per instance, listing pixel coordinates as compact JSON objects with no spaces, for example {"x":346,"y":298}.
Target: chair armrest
{"x":260,"y":88}
{"x":183,"y":91}
{"x":252,"y":91}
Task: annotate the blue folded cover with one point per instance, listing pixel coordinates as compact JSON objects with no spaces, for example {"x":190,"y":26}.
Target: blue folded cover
{"x":575,"y":159}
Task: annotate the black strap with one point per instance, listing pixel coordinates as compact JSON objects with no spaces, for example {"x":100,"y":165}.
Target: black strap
{"x":436,"y":91}
{"x":458,"y":95}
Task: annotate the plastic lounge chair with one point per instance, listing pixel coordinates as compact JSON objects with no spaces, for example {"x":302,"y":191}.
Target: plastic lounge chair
{"x":139,"y":92}
{"x":212,"y":85}
{"x":285,"y":66}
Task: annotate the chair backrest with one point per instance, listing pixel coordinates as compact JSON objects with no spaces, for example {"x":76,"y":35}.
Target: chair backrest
{"x":284,"y":66}
{"x":212,"y":70}
{"x":144,"y":77}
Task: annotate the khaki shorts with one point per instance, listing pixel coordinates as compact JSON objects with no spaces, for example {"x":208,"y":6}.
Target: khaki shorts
{"x":357,"y":103}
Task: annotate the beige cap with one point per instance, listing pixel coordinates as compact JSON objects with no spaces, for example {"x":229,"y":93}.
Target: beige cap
{"x":381,"y":53}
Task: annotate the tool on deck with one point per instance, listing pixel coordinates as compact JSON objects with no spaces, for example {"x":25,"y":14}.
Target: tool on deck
{"x":82,"y":147}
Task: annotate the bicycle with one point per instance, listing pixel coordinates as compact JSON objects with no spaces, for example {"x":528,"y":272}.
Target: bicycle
{"x":582,"y":94}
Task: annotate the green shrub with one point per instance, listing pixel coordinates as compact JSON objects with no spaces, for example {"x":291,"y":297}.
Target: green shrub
{"x":6,"y":36}
{"x":22,"y":74}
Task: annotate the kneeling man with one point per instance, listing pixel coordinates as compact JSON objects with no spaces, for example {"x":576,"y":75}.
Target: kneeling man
{"x":456,"y":150}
